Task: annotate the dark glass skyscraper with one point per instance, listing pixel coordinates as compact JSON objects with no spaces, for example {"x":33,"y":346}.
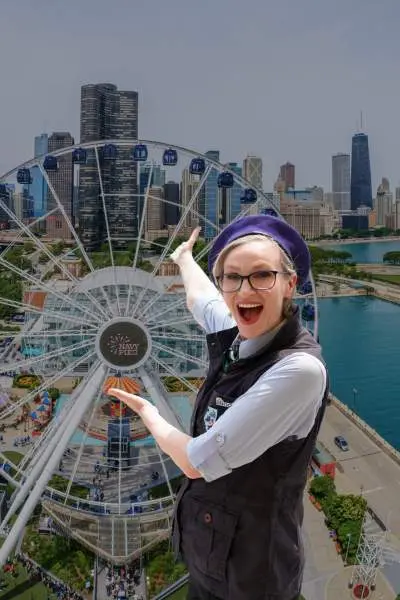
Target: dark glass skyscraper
{"x":361,"y":189}
{"x":107,"y":113}
{"x":62,"y":182}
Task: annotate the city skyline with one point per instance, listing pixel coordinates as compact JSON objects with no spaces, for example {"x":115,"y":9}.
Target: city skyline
{"x":219,"y":84}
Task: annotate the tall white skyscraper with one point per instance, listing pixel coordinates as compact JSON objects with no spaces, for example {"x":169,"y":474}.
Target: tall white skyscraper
{"x":341,"y":180}
{"x":253,"y":171}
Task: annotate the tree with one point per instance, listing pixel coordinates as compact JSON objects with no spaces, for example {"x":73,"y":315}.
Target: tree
{"x":322,"y":487}
{"x":28,"y":247}
{"x":393,"y":258}
{"x":348,"y":534}
{"x":346,"y":508}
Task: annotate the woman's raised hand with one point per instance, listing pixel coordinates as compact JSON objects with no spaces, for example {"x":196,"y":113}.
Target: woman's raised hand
{"x":186,"y":248}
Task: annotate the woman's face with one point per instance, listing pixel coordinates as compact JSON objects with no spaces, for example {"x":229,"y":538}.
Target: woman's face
{"x":257,"y":311}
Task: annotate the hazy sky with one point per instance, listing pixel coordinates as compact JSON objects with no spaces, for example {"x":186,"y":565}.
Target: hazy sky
{"x":283,"y":79}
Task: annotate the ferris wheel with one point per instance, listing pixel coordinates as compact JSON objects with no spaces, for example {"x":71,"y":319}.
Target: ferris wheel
{"x":93,"y":300}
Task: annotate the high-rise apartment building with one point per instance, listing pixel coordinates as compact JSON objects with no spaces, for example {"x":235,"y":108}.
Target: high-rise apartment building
{"x":209,"y":201}
{"x":62,"y":181}
{"x":361,"y":189}
{"x":155,"y":210}
{"x":341,"y":181}
{"x":107,"y":113}
{"x":253,"y":171}
{"x":287,"y":173}
{"x":189,"y":185}
{"x":384,"y":203}
{"x":172,"y":203}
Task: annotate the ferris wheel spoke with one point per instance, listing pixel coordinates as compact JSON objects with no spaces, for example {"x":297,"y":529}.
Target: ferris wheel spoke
{"x":56,"y":449}
{"x":48,"y":313}
{"x":51,"y":430}
{"x":85,"y":438}
{"x":23,"y":364}
{"x":174,"y":235}
{"x":158,"y":395}
{"x":166,"y":367}
{"x":43,"y":286}
{"x":180,"y":338}
{"x":48,"y":381}
{"x":156,"y":316}
{"x":105,"y":214}
{"x":39,"y":244}
{"x":59,"y":333}
{"x":80,"y":246}
{"x":179,"y":354}
{"x":171,"y":323}
{"x":141,"y":228}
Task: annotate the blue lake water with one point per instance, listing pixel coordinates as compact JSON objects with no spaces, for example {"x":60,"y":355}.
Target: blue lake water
{"x":359,"y":336}
{"x":366,"y":252}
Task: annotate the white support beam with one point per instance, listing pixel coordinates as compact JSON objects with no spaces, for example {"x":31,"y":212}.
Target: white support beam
{"x":159,"y":397}
{"x":95,"y":381}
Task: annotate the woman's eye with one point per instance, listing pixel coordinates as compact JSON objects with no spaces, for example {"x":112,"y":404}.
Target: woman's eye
{"x":262,"y":275}
{"x":232,"y":276}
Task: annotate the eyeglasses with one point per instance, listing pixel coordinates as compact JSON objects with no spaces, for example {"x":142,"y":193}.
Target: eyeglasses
{"x":260,"y":280}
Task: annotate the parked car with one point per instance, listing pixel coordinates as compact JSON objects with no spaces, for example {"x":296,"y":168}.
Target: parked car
{"x":341,"y":443}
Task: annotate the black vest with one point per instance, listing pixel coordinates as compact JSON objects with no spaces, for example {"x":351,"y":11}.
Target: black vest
{"x":240,"y":535}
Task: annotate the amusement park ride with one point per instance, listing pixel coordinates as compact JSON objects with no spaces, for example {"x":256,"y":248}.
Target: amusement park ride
{"x":124,"y":323}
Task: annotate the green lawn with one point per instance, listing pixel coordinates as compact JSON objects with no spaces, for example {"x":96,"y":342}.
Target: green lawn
{"x":22,"y":588}
{"x":395,"y":279}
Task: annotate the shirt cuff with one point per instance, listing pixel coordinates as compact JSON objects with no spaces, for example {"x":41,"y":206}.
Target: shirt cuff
{"x":204,"y":454}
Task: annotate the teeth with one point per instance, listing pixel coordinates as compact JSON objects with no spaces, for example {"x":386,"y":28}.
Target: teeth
{"x":249,"y":305}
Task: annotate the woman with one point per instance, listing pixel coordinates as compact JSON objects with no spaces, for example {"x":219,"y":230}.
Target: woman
{"x":239,"y":513}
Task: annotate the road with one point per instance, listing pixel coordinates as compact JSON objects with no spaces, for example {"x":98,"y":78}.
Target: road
{"x":364,"y":468}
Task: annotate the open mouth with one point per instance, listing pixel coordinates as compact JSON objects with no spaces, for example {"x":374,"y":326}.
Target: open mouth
{"x":250,"y":313}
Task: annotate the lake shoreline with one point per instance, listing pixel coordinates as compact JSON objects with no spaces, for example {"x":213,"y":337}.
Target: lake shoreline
{"x":354,"y":241}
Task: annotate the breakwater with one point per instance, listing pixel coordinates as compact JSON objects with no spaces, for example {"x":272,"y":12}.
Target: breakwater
{"x":369,"y":431}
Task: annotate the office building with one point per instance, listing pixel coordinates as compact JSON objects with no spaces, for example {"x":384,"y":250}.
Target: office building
{"x":62,"y":182}
{"x":107,"y":113}
{"x":287,"y":174}
{"x":253,"y":171}
{"x":361,"y":189}
{"x":341,"y":181}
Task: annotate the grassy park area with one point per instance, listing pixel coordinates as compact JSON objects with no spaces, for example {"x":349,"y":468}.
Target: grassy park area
{"x":21,"y":587}
{"x":393,"y":279}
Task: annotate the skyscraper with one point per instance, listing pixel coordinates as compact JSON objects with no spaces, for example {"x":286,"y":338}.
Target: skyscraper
{"x":107,"y":113}
{"x":287,"y":173}
{"x":62,"y":182}
{"x":253,"y":171}
{"x":361,"y":189}
{"x":341,"y":181}
{"x":209,"y":202}
{"x":38,"y":187}
{"x":172,"y":203}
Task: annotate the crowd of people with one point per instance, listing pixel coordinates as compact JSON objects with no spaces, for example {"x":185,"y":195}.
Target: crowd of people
{"x":122,"y":582}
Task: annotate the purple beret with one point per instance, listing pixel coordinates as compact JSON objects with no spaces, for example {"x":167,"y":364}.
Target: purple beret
{"x":284,"y":234}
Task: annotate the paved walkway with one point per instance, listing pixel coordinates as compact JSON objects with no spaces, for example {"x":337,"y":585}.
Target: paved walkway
{"x":322,"y":560}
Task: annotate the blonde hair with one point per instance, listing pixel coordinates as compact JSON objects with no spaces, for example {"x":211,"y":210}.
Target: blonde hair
{"x":286,"y":262}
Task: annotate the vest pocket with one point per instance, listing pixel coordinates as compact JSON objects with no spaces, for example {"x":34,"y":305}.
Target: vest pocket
{"x":209,"y":534}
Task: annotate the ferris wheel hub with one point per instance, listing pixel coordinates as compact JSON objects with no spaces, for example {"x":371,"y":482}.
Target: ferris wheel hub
{"x":123,"y":343}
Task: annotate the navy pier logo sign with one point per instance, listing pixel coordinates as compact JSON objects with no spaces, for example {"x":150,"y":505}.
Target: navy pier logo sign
{"x":124,"y":344}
